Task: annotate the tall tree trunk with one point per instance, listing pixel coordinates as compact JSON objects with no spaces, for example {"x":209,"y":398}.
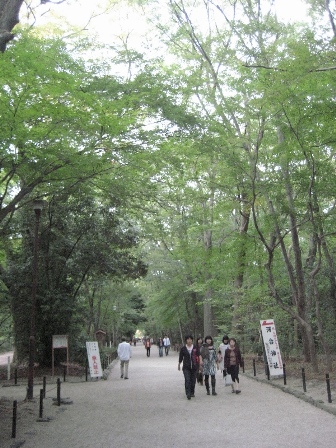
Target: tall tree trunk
{"x":291,"y":311}
{"x":209,"y":317}
{"x":296,"y":272}
{"x":9,"y":17}
{"x":297,"y":313}
{"x":314,"y":260}
{"x":241,"y":257}
{"x":209,"y":324}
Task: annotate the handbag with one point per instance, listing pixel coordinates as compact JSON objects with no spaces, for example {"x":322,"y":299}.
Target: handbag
{"x":228,"y":380}
{"x":200,"y":378}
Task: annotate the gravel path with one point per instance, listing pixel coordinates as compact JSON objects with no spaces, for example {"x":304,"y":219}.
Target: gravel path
{"x":150,"y":409}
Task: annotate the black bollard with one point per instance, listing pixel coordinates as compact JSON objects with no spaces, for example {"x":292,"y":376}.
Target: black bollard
{"x":41,"y":403}
{"x":58,"y":392}
{"x":64,"y":373}
{"x":15,"y":377}
{"x":284,"y":374}
{"x":328,"y":388}
{"x":44,"y":386}
{"x":268,"y":372}
{"x":86,"y":371}
{"x":243,"y":362}
{"x":254,"y":368}
{"x":14,"y":419}
{"x":304,"y":380}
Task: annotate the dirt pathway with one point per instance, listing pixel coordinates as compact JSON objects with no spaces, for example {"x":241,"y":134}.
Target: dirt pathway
{"x":150,"y":409}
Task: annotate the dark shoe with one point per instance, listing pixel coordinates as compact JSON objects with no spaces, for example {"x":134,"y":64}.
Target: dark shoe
{"x":208,"y":392}
{"x":238,"y":391}
{"x":121,"y":376}
{"x":188,"y":396}
{"x":126,"y":377}
{"x":214,"y":393}
{"x":192,"y":395}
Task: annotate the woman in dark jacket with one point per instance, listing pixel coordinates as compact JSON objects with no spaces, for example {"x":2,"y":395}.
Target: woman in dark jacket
{"x":189,"y":355}
{"x":232,"y":361}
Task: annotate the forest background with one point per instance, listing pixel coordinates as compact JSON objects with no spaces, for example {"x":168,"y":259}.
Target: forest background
{"x":187,"y":172}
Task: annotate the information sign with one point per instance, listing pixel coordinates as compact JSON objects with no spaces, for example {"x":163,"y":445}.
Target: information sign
{"x":271,"y":345}
{"x":94,"y":359}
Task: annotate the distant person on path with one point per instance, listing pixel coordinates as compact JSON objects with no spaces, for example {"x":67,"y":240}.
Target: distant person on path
{"x":166,"y":343}
{"x":221,"y":353}
{"x":208,"y":362}
{"x":160,"y":345}
{"x":124,"y":353}
{"x":189,"y":355}
{"x":148,"y":346}
{"x":232,"y":361}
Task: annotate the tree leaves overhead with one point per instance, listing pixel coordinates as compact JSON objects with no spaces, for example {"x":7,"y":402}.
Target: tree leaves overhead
{"x":221,"y":151}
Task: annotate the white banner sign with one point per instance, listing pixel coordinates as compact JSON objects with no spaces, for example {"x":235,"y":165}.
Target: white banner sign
{"x":271,"y":345}
{"x":94,"y":359}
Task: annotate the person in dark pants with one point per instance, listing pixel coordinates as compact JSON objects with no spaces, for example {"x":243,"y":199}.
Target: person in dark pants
{"x":166,"y":343}
{"x":189,"y":355}
{"x":148,"y":346}
{"x":209,"y":364}
{"x":232,"y":361}
{"x":160,"y":345}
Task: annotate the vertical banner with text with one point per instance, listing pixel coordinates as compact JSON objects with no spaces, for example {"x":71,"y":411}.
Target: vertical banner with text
{"x":271,"y":346}
{"x":94,"y":359}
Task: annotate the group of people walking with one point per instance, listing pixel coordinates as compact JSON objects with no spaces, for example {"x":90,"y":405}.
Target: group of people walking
{"x":163,"y":344}
{"x":125,"y":352}
{"x":201,"y":362}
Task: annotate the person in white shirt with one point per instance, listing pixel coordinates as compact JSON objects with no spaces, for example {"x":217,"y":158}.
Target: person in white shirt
{"x":124,"y":353}
{"x":166,"y":343}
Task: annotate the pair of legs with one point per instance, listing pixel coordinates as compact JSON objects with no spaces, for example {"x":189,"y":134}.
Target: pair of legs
{"x":167,"y":349}
{"x":124,"y":369}
{"x":213,"y":384}
{"x":160,"y":351}
{"x":234,"y":371}
{"x":148,"y":351}
{"x":189,"y":382}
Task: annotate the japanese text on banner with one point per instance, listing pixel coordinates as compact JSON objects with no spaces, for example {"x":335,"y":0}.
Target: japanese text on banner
{"x":94,"y":359}
{"x":271,"y":346}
